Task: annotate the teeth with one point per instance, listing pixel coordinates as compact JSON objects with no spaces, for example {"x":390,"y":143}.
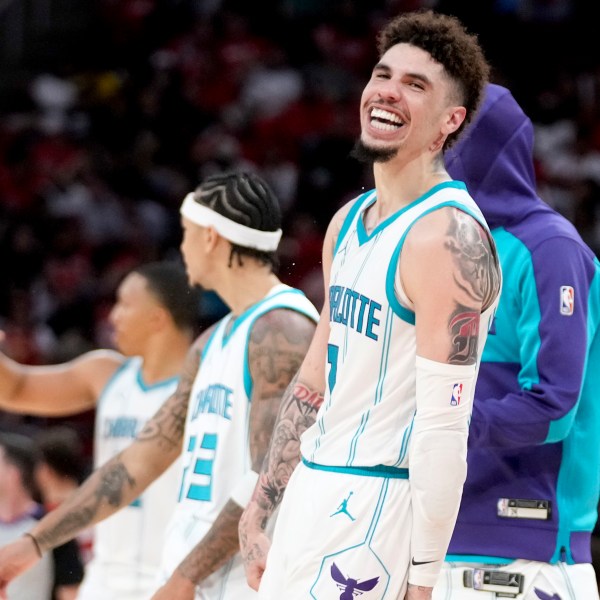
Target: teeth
{"x":380,"y":113}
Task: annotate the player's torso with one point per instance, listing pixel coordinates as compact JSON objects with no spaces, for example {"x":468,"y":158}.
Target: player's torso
{"x":366,"y":417}
{"x":216,"y":452}
{"x":128,"y":545}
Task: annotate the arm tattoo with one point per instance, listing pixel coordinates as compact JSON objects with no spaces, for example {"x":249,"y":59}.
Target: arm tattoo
{"x":298,"y":412}
{"x":464,"y":332}
{"x":167,"y":426}
{"x":475,"y":258}
{"x":278,"y":343}
{"x":108,"y":487}
{"x":219,"y":544}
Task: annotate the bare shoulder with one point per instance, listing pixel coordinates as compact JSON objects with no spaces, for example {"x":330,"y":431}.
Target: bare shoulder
{"x":335,"y":225}
{"x":96,"y":367}
{"x":286,"y":321}
{"x":279,"y":340}
{"x":452,"y":244}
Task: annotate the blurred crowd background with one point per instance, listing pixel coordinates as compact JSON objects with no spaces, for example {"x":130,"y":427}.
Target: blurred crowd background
{"x":112,"y":110}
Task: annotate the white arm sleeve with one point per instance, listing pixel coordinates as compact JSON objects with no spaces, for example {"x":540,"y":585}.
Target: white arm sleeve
{"x":437,"y":462}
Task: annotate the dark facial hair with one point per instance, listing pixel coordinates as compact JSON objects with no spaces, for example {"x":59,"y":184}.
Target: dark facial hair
{"x":367,"y":154}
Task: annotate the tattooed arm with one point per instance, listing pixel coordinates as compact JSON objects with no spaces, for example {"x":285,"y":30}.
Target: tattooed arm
{"x":449,"y":270}
{"x":298,"y":411}
{"x":278,"y":343}
{"x":114,"y":485}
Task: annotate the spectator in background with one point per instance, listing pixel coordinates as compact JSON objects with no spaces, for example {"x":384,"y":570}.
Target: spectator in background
{"x":60,"y":468}
{"x":58,"y":574}
{"x":154,"y":319}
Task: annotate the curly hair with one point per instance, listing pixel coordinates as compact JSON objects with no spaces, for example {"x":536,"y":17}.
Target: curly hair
{"x":246,"y":199}
{"x":445,"y":38}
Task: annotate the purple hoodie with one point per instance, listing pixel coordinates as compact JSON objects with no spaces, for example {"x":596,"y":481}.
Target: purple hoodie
{"x":535,"y":429}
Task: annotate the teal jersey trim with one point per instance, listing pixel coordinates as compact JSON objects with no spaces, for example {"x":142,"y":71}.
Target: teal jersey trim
{"x":376,"y":471}
{"x":475,"y":558}
{"x":153,"y":386}
{"x":404,"y":313}
{"x":350,"y":217}
{"x":361,"y":232}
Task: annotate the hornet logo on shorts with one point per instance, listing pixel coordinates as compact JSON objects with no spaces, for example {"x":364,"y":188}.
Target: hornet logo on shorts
{"x":351,"y":587}
{"x":456,"y":394}
{"x":567,"y":300}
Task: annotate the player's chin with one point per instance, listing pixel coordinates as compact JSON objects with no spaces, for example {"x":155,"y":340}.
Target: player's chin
{"x":367,"y":151}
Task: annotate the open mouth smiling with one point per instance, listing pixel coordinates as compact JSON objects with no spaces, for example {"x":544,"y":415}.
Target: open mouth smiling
{"x":385,"y":120}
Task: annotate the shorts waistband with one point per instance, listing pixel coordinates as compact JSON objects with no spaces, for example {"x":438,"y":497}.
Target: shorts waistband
{"x":375,"y":471}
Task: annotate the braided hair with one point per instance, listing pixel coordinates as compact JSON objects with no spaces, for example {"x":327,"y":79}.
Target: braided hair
{"x":244,"y":198}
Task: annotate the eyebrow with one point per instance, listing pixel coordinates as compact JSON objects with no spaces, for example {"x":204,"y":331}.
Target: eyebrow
{"x":380,"y":66}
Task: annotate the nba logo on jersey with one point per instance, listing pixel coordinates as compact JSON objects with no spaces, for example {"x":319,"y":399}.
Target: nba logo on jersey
{"x":567,"y":300}
{"x":456,"y":394}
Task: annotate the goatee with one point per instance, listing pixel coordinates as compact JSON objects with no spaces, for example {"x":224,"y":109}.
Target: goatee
{"x":368,"y":154}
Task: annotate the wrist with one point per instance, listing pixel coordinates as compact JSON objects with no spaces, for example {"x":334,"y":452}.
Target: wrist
{"x":35,"y":543}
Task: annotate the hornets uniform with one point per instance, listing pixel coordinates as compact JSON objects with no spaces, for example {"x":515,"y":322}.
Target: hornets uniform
{"x":351,"y":492}
{"x":216,"y":445}
{"x":128,"y":545}
{"x":530,"y":500}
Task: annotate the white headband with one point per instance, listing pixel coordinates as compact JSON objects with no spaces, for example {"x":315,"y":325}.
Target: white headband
{"x":239,"y":234}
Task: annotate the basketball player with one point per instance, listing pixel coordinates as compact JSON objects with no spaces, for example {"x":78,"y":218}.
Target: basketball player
{"x":153,"y":318}
{"x":530,"y":498}
{"x":412,"y":281}
{"x":224,"y":407}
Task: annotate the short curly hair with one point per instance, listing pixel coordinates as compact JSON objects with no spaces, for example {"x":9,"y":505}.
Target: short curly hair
{"x":446,"y":39}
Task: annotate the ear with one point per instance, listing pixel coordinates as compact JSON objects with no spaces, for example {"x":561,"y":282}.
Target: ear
{"x":454,"y":119}
{"x":212,"y":238}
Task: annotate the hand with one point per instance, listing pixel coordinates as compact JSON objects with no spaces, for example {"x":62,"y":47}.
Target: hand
{"x":15,"y":558}
{"x":254,"y":553}
{"x":418,"y":592}
{"x":177,"y":586}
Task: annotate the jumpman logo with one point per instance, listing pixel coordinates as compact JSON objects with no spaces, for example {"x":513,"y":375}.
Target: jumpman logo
{"x":543,"y":596}
{"x":343,"y":508}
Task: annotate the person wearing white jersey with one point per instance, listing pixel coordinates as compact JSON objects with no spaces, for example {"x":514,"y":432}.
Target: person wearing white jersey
{"x":412,"y":280}
{"x":154,"y":319}
{"x":225,"y":405}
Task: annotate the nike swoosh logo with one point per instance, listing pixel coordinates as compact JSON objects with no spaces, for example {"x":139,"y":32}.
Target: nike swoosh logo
{"x":425,"y":562}
{"x":544,"y":596}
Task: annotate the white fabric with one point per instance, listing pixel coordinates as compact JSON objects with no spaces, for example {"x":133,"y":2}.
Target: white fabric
{"x":559,"y":581}
{"x":243,"y":491}
{"x":239,"y":234}
{"x":358,"y":523}
{"x":438,"y":461}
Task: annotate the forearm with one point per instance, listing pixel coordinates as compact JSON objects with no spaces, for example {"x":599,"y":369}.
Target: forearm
{"x":106,"y":491}
{"x":298,"y":412}
{"x":437,"y":462}
{"x":218,"y":546}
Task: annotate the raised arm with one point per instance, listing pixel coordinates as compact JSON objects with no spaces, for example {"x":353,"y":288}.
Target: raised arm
{"x":56,"y":390}
{"x":114,"y":485}
{"x":298,"y":411}
{"x":278,"y":342}
{"x":448,"y":270}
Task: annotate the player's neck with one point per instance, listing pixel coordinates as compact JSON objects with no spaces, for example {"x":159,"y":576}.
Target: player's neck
{"x":164,"y":356}
{"x":398,"y":185}
{"x":244,"y":287}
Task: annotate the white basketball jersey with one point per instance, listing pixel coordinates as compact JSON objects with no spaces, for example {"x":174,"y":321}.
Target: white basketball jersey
{"x":128,"y":545}
{"x":367,"y":413}
{"x":216,"y":445}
